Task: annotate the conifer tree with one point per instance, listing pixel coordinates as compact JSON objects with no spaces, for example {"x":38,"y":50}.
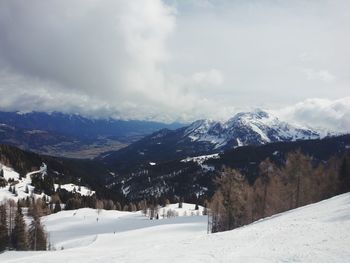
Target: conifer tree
{"x":196,"y":207}
{"x":228,"y":203}
{"x":19,"y":233}
{"x":11,"y":205}
{"x":126,"y":208}
{"x":57,"y":206}
{"x":3,"y":228}
{"x":118,"y":206}
{"x":180,"y":202}
{"x":265,"y":167}
{"x":14,"y":190}
{"x":37,"y":235}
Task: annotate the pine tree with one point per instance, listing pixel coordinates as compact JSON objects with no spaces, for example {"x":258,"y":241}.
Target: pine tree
{"x":57,"y":207}
{"x":19,"y":233}
{"x":180,"y":202}
{"x":118,"y":206}
{"x":3,"y":182}
{"x":125,"y":208}
{"x":167,"y":202}
{"x":229,"y":202}
{"x":37,"y":235}
{"x":4,"y":239}
{"x":11,"y":205}
{"x":265,"y":167}
{"x":196,"y":207}
{"x":14,"y":190}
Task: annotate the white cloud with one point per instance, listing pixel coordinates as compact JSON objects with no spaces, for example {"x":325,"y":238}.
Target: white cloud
{"x":170,"y":60}
{"x":323,"y":75}
{"x":332,"y":115}
{"x":212,"y":77}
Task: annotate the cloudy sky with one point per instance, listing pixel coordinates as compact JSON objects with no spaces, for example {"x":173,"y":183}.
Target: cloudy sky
{"x":177,"y":60}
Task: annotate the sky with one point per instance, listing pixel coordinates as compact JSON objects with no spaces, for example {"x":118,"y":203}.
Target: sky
{"x":176,"y":60}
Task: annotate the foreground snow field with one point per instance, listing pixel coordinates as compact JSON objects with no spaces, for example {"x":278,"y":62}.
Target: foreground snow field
{"x":314,"y":233}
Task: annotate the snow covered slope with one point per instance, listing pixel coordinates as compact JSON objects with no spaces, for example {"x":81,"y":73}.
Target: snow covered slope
{"x":82,"y":190}
{"x":21,"y":184}
{"x":315,"y":233}
{"x":24,"y":188}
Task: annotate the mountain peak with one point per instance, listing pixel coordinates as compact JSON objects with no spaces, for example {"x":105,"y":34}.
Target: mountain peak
{"x":244,"y":128}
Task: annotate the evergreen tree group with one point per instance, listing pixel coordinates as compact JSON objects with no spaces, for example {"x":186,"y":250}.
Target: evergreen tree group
{"x":14,"y":233}
{"x":4,"y":239}
{"x":19,"y":233}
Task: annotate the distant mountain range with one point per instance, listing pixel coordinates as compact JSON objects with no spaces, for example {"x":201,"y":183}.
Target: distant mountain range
{"x":205,"y":137}
{"x":118,"y":142}
{"x":71,"y":135}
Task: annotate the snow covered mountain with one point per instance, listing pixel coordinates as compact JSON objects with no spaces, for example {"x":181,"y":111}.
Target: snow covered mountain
{"x":206,"y":136}
{"x":247,"y":128}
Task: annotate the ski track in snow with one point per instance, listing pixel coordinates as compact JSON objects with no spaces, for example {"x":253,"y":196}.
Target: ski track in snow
{"x":315,"y":233}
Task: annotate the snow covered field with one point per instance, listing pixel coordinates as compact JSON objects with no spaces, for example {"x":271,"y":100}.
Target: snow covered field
{"x":315,"y":233}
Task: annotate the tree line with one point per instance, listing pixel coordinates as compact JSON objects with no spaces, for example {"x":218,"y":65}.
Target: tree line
{"x":299,"y":181}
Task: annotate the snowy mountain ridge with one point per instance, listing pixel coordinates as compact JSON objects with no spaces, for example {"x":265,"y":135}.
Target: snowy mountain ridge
{"x":256,"y":127}
{"x":205,"y":137}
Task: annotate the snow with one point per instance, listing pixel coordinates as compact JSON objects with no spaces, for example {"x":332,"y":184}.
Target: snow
{"x":9,"y":173}
{"x":267,"y":126}
{"x":78,"y":189}
{"x":257,"y":130}
{"x":25,"y":182}
{"x":21,"y":184}
{"x":315,"y":233}
{"x":186,"y":210}
{"x":201,"y":159}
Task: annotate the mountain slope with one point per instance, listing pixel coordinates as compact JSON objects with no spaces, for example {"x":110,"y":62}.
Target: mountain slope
{"x":247,"y":128}
{"x":314,"y":233}
{"x":90,"y":173}
{"x":185,"y":177}
{"x":205,"y":137}
{"x":180,"y":177}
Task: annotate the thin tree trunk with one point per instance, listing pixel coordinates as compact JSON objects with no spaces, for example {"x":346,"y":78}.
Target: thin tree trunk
{"x":298,"y":189}
{"x":264,"y":203}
